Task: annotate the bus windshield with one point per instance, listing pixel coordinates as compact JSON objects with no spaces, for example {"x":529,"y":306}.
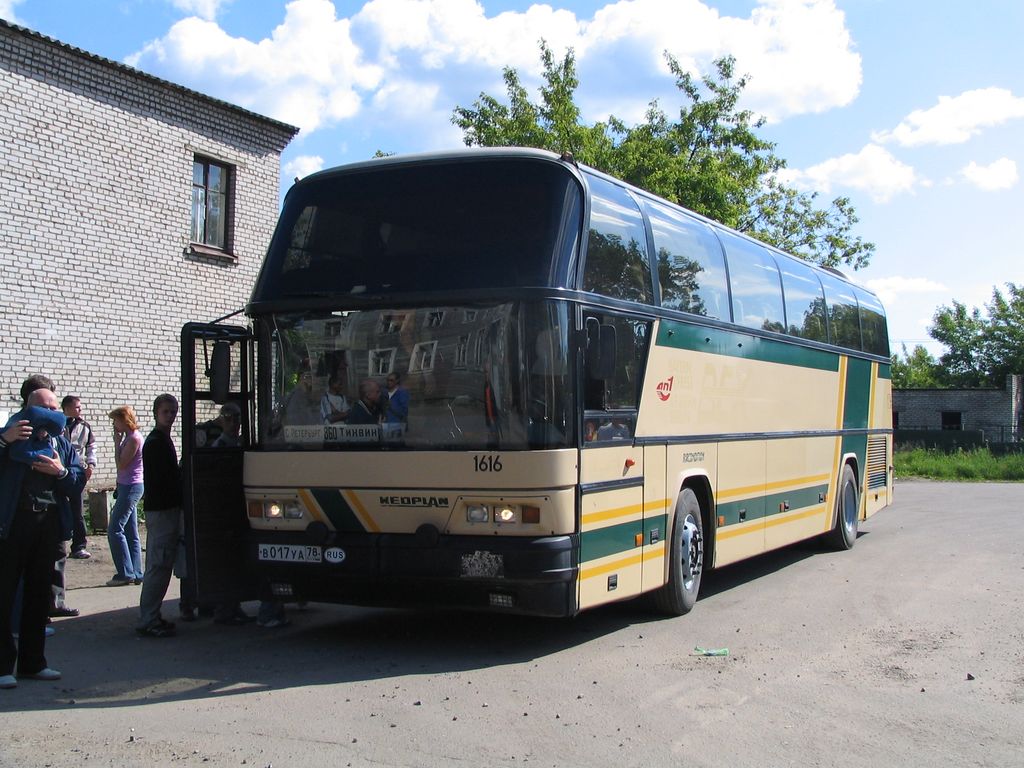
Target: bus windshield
{"x":380,"y":231}
{"x":466,"y":377}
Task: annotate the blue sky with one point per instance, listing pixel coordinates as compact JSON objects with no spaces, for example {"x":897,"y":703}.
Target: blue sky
{"x":912,"y":108}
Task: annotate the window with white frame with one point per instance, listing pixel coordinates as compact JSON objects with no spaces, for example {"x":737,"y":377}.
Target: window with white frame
{"x":211,"y":203}
{"x":391,"y":323}
{"x":423,"y":356}
{"x":462,"y":351}
{"x":435,"y":318}
{"x":382,"y":361}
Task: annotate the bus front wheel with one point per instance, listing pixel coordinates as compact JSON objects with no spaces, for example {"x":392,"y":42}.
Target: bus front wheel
{"x":686,"y":555}
{"x":844,"y":534}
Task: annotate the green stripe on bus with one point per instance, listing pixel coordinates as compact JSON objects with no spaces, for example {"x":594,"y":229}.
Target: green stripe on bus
{"x":858,"y":394}
{"x":771,"y":504}
{"x":609,"y":541}
{"x":796,"y":499}
{"x":337,"y":510}
{"x":884,"y":371}
{"x":716,"y":341}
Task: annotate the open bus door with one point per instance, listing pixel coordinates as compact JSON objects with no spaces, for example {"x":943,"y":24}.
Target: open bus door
{"x":216,"y":369}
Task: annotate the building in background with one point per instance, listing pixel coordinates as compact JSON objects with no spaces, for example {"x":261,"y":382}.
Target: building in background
{"x":994,"y":415}
{"x":128,"y":206}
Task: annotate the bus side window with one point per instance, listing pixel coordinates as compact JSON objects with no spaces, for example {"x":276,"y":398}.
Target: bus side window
{"x":616,"y":264}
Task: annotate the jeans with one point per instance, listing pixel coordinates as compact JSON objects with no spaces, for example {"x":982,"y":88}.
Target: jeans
{"x":123,"y":532}
{"x":162,"y":535}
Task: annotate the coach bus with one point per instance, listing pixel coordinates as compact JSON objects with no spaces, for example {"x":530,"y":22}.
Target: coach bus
{"x":596,"y":395}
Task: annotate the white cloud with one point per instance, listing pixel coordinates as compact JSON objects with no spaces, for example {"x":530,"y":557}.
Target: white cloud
{"x":872,"y":170}
{"x":1002,"y":174}
{"x":7,"y":10}
{"x":891,"y":289}
{"x":307,"y":72}
{"x":301,"y":166}
{"x":414,"y":60}
{"x":204,"y":9}
{"x":955,"y":120}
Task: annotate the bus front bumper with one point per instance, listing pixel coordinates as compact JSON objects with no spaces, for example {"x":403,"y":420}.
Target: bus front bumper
{"x":526,"y":575}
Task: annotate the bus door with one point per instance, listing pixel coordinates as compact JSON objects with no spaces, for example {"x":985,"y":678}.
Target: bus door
{"x":612,"y":525}
{"x":217,"y":426}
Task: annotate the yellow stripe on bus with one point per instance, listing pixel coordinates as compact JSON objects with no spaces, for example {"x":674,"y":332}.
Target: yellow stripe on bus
{"x":360,"y":511}
{"x":611,"y":514}
{"x":654,"y":552}
{"x":794,"y":483}
{"x":313,"y":506}
{"x":790,"y":517}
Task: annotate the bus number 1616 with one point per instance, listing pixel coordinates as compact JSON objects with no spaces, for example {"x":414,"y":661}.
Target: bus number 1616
{"x":488,"y":463}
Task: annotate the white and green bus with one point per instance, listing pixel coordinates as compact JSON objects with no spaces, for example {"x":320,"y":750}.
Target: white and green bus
{"x":600,"y":395}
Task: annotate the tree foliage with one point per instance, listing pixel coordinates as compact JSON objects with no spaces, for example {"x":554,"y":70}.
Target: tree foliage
{"x":982,"y":349}
{"x":709,"y":158}
{"x":916,"y":370}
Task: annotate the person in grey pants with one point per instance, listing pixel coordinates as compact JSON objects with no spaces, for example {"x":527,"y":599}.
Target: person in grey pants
{"x":162,"y":499}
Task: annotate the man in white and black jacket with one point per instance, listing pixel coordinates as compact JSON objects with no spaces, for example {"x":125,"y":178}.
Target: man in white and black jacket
{"x":80,"y":433}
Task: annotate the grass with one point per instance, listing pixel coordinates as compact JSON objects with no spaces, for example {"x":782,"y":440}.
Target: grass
{"x":972,"y":465}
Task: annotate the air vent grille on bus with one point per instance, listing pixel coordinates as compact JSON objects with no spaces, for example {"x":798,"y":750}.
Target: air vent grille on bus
{"x":878,"y":462}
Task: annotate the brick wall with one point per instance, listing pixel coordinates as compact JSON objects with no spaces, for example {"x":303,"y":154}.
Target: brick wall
{"x":997,"y":412}
{"x":97,"y":275}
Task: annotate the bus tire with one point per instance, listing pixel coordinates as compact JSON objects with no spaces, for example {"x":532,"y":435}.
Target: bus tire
{"x":686,"y":562}
{"x":844,"y":534}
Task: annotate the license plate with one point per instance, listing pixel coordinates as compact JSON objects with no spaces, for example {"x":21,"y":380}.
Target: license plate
{"x":289,"y":553}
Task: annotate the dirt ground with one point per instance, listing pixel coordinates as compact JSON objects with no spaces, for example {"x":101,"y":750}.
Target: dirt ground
{"x":907,"y":650}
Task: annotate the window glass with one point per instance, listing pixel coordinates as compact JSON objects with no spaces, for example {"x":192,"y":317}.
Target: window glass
{"x":209,"y":203}
{"x":691,"y":266}
{"x":843,"y":317}
{"x":872,"y":324}
{"x":611,"y":404}
{"x":805,"y":301}
{"x":391,"y":228}
{"x":616,"y":264}
{"x":756,"y":287}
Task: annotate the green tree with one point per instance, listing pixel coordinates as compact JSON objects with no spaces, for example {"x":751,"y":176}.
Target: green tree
{"x":982,"y":348}
{"x":710,"y":160}
{"x":916,"y":370}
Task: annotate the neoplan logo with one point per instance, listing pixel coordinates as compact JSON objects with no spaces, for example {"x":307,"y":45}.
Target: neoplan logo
{"x":665,"y":389}
{"x":414,"y":501}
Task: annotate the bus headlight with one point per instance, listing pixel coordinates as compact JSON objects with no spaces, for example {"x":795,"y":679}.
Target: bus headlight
{"x":477,"y":513}
{"x":275,"y":509}
{"x":506,"y":513}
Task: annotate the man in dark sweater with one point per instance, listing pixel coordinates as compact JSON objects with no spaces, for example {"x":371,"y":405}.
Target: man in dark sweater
{"x":162,"y":498}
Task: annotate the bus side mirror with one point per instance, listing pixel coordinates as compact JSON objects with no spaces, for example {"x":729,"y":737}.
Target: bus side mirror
{"x":220,"y":372}
{"x":601,"y":349}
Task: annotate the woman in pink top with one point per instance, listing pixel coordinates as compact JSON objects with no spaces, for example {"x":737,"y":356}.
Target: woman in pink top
{"x":123,"y":527}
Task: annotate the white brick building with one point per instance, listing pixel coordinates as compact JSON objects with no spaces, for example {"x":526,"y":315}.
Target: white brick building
{"x":115,"y":229}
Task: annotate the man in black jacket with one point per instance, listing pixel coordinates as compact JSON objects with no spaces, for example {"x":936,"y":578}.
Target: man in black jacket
{"x":162,"y":496}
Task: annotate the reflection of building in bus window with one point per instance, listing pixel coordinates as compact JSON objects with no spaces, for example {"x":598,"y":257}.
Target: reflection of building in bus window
{"x":590,"y":431}
{"x":396,"y":408}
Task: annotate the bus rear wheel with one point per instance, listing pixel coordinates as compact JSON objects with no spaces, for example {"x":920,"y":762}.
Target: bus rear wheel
{"x":686,"y":558}
{"x":844,"y":534}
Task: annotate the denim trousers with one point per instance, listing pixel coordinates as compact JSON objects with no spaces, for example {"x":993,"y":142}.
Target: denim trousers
{"x":123,"y":532}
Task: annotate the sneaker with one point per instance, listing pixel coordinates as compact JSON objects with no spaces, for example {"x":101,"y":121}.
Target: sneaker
{"x":136,"y":581}
{"x":119,"y":581}
{"x":8,"y":681}
{"x":81,"y":554}
{"x":46,"y":674}
{"x":63,"y":612}
{"x":159,"y":628}
{"x":273,"y":623}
